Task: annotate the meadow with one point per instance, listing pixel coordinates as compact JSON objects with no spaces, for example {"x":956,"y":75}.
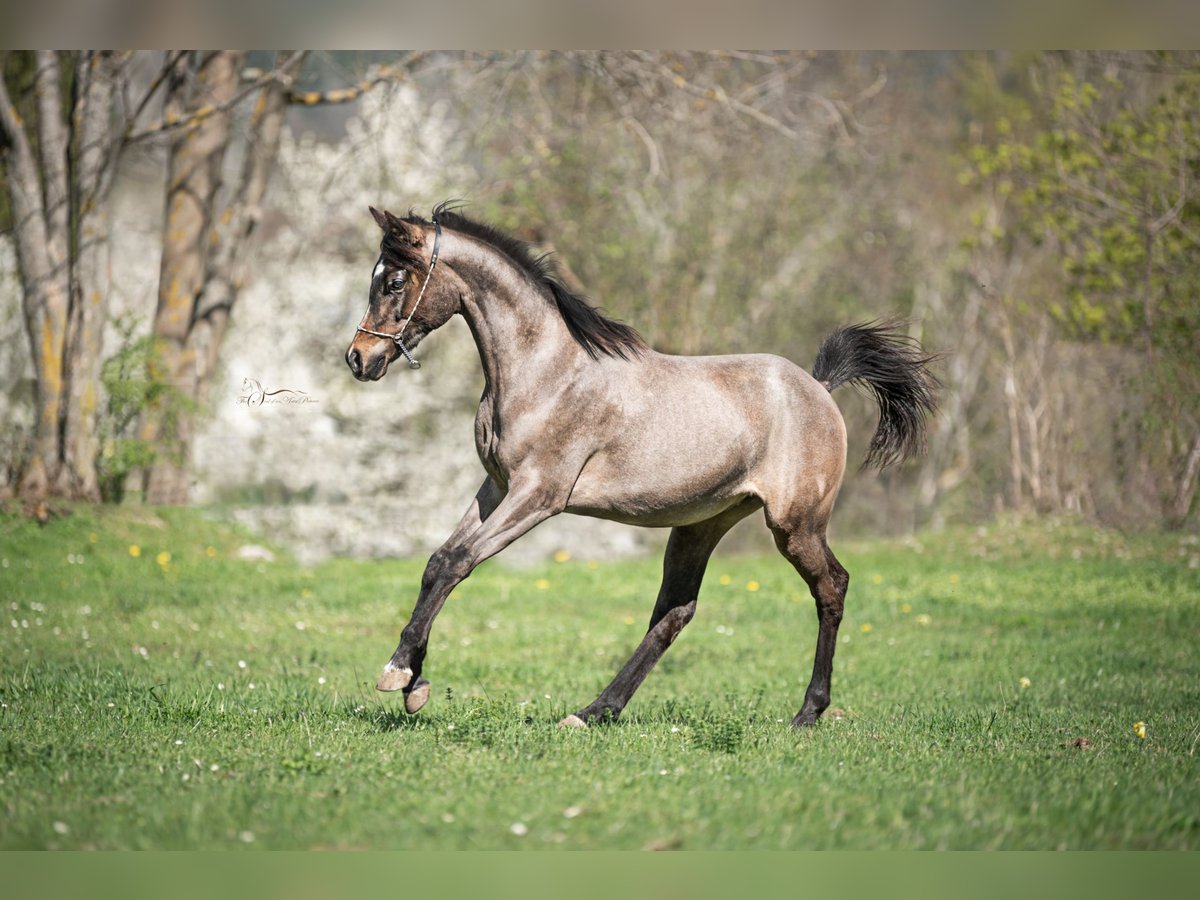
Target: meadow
{"x":1019,"y":686}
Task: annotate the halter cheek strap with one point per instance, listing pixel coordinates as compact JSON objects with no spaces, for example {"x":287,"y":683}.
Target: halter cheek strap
{"x":433,"y":259}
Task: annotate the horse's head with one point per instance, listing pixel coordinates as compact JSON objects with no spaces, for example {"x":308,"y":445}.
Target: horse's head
{"x":404,"y":303}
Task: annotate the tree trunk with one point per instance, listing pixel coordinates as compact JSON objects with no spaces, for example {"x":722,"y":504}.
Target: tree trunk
{"x":39,"y":228}
{"x":197,"y":152}
{"x":63,"y":272}
{"x":1011,"y":404}
{"x":96,"y":146}
{"x":204,"y":251}
{"x":1186,"y":491}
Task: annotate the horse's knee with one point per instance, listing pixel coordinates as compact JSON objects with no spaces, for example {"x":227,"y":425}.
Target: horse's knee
{"x":445,"y":563}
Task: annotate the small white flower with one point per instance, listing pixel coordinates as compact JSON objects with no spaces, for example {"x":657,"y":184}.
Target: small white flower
{"x":321,"y":680}
{"x":179,"y":743}
{"x":214,"y":768}
{"x":241,"y":664}
{"x":246,"y":837}
{"x":519,"y":829}
{"x":61,"y":828}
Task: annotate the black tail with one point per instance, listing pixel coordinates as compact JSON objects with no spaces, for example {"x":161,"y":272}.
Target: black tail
{"x":878,"y":356}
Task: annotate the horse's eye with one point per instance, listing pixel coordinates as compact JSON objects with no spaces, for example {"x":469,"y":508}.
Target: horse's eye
{"x":395,"y":285}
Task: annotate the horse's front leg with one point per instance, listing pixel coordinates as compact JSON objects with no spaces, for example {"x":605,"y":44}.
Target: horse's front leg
{"x":416,"y":690}
{"x":510,"y":517}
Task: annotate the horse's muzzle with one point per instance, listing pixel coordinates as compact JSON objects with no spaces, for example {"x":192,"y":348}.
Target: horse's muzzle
{"x":366,"y":370}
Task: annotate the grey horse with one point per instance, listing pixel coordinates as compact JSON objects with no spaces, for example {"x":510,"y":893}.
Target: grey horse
{"x":578,"y":415}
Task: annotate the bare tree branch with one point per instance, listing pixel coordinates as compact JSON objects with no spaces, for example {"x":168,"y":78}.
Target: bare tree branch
{"x":376,"y":75}
{"x":173,"y":121}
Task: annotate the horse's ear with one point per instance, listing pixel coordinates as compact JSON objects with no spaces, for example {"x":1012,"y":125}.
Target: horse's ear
{"x":394,"y":225}
{"x":406,"y":231}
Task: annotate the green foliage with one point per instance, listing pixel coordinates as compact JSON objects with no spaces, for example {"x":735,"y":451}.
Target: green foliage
{"x":185,"y":698}
{"x":1109,"y":181}
{"x":133,"y":384}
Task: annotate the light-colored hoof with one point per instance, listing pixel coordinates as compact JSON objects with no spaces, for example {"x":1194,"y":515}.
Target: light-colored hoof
{"x":417,"y":697}
{"x":572,"y":721}
{"x":393,"y":679}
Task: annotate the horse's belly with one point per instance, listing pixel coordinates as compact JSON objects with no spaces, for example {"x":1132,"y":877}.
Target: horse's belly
{"x":660,"y":504}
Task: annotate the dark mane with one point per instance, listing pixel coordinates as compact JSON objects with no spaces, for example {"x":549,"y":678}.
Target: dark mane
{"x":596,"y":333}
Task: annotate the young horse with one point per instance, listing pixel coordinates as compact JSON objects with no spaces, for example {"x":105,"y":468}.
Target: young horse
{"x":578,"y":415}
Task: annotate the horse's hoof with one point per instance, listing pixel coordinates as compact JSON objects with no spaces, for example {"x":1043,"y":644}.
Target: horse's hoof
{"x":394,"y":678}
{"x":805,"y":719}
{"x":572,"y":721}
{"x":418,"y":696}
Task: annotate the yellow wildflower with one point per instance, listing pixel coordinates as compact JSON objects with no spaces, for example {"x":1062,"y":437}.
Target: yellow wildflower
{"x":923,"y":619}
{"x":1024,"y":683}
{"x":752,"y":586}
{"x":163,"y":558}
{"x":1139,"y":728}
{"x":211,"y":552}
{"x":725,"y":579}
{"x":541,"y":584}
{"x":865,"y":627}
{"x":954,"y":579}
{"x":905,"y":607}
{"x":876,"y":579}
{"x":135,"y":550}
{"x":629,"y":620}
{"x":93,"y":537}
{"x":562,"y":556}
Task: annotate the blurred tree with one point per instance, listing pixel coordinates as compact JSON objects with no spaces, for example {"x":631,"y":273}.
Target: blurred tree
{"x":58,"y":172}
{"x":65,"y":118}
{"x":204,"y":244}
{"x":1103,"y":165}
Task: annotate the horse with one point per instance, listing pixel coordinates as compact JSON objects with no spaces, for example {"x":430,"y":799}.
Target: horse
{"x":579,"y":415}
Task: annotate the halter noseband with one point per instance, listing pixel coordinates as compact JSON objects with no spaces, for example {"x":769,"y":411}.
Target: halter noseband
{"x":412,"y":363}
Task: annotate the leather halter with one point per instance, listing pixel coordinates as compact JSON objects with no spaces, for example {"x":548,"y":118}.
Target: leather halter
{"x":433,"y":259}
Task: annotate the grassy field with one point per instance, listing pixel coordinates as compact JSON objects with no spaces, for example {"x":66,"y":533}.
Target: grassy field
{"x":159,"y":692}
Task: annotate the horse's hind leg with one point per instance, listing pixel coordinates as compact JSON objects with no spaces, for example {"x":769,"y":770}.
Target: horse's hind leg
{"x":805,"y":548}
{"x":688,"y":550}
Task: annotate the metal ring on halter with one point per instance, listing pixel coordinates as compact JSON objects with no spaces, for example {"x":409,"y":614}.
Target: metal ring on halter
{"x":433,"y":259}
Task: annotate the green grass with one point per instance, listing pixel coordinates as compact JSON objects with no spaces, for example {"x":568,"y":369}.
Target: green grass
{"x":213,"y":702}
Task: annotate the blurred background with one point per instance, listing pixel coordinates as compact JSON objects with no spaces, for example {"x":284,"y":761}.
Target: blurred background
{"x":183,"y":233}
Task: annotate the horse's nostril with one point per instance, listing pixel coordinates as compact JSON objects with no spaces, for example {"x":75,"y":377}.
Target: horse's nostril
{"x":354,"y":359}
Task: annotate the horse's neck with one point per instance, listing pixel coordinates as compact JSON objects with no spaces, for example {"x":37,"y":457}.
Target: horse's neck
{"x":520,"y":336}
